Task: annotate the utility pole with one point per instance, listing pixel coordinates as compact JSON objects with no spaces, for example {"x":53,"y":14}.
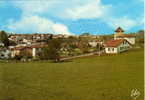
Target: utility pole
{"x":99,"y":48}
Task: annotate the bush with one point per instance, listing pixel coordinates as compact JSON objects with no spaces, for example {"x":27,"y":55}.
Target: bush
{"x":17,"y":57}
{"x":77,"y":51}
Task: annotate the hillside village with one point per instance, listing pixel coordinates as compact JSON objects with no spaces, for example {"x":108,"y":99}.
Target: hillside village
{"x":33,"y":45}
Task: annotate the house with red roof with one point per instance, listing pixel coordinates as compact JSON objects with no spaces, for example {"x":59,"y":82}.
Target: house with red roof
{"x":117,"y":46}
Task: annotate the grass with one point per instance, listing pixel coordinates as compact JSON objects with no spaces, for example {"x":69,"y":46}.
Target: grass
{"x":92,"y":78}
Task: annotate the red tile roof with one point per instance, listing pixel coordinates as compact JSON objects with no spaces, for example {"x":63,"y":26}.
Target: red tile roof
{"x":126,"y":35}
{"x":114,"y":43}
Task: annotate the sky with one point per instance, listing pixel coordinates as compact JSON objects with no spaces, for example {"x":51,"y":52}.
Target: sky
{"x":71,"y":16}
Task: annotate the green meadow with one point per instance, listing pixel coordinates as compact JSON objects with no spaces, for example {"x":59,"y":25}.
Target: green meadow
{"x":89,"y":78}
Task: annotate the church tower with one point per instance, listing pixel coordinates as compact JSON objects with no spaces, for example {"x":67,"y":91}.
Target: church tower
{"x":118,"y":32}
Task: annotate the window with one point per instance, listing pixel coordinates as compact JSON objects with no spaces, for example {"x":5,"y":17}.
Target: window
{"x":108,"y":49}
{"x":2,"y":55}
{"x":121,"y":48}
{"x":112,"y":49}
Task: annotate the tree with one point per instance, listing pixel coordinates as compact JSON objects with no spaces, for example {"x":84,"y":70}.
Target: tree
{"x":140,"y":34}
{"x":140,"y":38}
{"x":141,"y":31}
{"x":44,"y":55}
{"x":51,"y":36}
{"x":52,"y":51}
{"x":4,"y":38}
{"x":86,"y":34}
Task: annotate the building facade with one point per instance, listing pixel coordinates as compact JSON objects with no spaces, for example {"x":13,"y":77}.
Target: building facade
{"x":117,"y":46}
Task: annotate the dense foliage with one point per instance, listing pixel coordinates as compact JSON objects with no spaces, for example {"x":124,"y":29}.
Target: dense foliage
{"x":4,"y":38}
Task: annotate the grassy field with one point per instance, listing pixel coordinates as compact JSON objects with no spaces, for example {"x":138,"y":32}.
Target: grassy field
{"x":92,"y":78}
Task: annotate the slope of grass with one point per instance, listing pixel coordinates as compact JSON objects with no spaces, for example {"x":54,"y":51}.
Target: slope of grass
{"x":93,"y":78}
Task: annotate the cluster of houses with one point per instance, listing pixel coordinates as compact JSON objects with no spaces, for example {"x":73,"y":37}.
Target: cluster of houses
{"x":33,"y":43}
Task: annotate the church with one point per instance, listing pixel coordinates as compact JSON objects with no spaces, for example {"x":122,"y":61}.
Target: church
{"x":121,"y":35}
{"x":122,"y":42}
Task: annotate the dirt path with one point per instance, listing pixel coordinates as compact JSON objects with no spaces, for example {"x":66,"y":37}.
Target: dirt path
{"x":84,"y":55}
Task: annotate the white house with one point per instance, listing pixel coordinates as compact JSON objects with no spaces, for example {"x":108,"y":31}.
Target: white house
{"x":120,"y":35}
{"x":117,"y":46}
{"x":95,"y":43}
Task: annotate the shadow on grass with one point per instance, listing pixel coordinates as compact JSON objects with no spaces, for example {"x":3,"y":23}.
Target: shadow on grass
{"x":9,"y":98}
{"x":62,"y":61}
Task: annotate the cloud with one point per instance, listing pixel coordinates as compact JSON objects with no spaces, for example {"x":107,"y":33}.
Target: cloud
{"x":2,"y":3}
{"x":83,"y":9}
{"x":34,"y":6}
{"x":31,"y":20}
{"x":36,"y":24}
{"x":89,"y":10}
{"x":123,"y":22}
{"x":141,"y":1}
{"x":65,"y":9}
{"x":75,"y":9}
{"x":60,"y":29}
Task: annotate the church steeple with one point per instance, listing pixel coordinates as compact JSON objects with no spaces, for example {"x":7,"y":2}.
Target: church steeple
{"x":119,"y":29}
{"x":119,"y":32}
